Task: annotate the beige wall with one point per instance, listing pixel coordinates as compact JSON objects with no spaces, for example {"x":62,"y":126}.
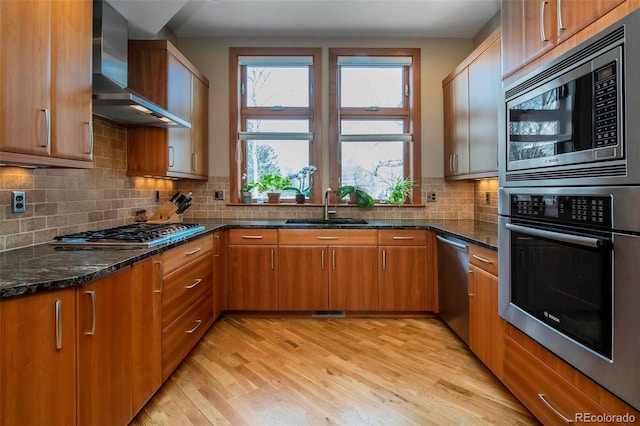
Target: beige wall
{"x":439,"y":58}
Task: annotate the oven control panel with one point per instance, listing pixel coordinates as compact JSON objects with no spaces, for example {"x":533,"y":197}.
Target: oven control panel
{"x":570,"y":209}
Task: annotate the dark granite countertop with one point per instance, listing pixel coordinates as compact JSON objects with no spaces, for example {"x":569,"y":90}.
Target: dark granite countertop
{"x":46,"y":266}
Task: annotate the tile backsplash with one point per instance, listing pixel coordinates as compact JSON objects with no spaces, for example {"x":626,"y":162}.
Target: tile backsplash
{"x":61,"y":201}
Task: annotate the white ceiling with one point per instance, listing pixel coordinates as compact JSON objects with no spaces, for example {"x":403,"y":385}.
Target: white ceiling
{"x":307,"y":18}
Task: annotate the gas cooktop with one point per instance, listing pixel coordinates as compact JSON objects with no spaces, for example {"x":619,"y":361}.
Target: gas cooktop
{"x":134,"y":235}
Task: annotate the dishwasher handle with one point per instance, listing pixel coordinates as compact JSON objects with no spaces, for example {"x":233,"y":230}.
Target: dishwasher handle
{"x":453,"y":243}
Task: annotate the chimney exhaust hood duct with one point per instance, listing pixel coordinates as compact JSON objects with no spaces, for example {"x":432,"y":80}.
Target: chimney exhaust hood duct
{"x":111,"y":97}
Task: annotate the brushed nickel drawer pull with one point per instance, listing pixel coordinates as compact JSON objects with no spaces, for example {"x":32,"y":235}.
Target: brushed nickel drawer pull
{"x":217,"y":237}
{"x":195,"y":283}
{"x":194,"y":251}
{"x":58,"y":324}
{"x":543,"y":36}
{"x":92,"y":294}
{"x":158,"y":276}
{"x":552,"y":408}
{"x":401,"y":238}
{"x":198,"y":322}
{"x":252,"y":237}
{"x":328,"y":238}
{"x":482,"y":259}
{"x":322,"y":260}
{"x":384,"y":260}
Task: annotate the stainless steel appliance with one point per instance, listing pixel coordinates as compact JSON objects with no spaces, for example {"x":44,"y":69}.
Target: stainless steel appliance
{"x":453,"y":284}
{"x":574,"y":121}
{"x":568,"y":277}
{"x":134,"y":235}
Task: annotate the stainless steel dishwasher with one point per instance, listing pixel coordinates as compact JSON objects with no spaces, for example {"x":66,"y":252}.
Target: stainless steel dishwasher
{"x":453,"y":284}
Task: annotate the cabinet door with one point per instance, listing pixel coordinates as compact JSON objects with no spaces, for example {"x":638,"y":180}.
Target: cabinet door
{"x":146,"y":300}
{"x":484,"y":98}
{"x":353,"y":284}
{"x":220,"y":290}
{"x":179,"y":98}
{"x":25,"y":76}
{"x":199,"y":129}
{"x":485,"y":325}
{"x":71,"y":80}
{"x":302,"y":278}
{"x":456,"y":106}
{"x":104,"y":327}
{"x":403,"y":278}
{"x":253,"y":279}
{"x":539,"y":26}
{"x":38,"y":365}
{"x":574,"y":15}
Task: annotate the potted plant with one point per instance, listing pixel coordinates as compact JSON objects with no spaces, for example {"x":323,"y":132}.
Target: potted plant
{"x":401,"y":190}
{"x":272,"y":184}
{"x":245,"y":191}
{"x":302,"y":191}
{"x":357,"y":193}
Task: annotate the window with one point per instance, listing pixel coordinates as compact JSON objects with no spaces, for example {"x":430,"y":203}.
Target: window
{"x":275,"y":129}
{"x":374,"y":118}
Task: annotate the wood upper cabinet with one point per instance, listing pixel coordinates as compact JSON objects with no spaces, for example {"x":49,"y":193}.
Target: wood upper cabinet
{"x":220,"y":289}
{"x":159,"y":72}
{"x":104,"y":330}
{"x":532,"y":27}
{"x":45,"y":81}
{"x":404,"y":260}
{"x":146,"y":304}
{"x":471,"y":98}
{"x":253,"y":269}
{"x":38,"y":364}
{"x":485,"y":325}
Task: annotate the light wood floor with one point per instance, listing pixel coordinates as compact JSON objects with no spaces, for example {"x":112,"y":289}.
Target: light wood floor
{"x":292,"y":371}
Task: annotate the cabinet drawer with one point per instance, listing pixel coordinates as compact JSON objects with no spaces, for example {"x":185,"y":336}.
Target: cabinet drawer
{"x":253,"y":236}
{"x":182,"y":335}
{"x":183,"y":287}
{"x":484,"y":258}
{"x":543,"y":391}
{"x":352,"y":237}
{"x":402,"y":237}
{"x":185,"y":253}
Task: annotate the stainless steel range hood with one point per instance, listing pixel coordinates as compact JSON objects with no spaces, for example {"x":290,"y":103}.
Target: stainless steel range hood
{"x":111,"y":97}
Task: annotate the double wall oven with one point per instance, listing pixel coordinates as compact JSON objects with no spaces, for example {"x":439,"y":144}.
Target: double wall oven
{"x":569,"y":203}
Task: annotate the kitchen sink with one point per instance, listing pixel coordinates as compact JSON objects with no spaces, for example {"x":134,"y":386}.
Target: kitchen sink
{"x":326,"y":222}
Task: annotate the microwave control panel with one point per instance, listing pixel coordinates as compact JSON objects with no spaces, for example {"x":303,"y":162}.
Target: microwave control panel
{"x":570,"y":209}
{"x":606,"y":106}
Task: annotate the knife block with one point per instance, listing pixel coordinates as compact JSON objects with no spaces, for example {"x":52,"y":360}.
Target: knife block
{"x":166,"y":214}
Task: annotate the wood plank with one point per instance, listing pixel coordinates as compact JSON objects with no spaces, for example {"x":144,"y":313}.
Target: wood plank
{"x":248,"y":371}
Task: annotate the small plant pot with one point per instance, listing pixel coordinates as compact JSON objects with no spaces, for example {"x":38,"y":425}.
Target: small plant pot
{"x":300,"y":198}
{"x":245,"y":197}
{"x":273,"y":197}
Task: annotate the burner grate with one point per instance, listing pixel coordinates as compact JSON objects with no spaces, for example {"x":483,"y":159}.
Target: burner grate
{"x":137,"y":234}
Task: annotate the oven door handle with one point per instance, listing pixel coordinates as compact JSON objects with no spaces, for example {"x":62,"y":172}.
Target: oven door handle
{"x":557,"y":236}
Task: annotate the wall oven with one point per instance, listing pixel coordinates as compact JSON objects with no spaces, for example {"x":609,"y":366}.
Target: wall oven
{"x":575,"y":122}
{"x":569,"y":277}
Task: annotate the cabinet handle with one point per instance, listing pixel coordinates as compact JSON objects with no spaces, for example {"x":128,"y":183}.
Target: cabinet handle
{"x":455,"y":166}
{"x":198,"y":322}
{"x":158,"y":276}
{"x":90,"y":127}
{"x":333,"y":259}
{"x":384,"y":260}
{"x":272,"y":262}
{"x":469,"y":286}
{"x":543,"y":5}
{"x":552,"y":408}
{"x":252,"y":237}
{"x":217,"y":237}
{"x":195,"y":283}
{"x":451,"y":163}
{"x":482,"y":259}
{"x":58,"y":324}
{"x":194,"y":251}
{"x":322,"y":260}
{"x":561,"y":26}
{"x":172,"y":156}
{"x":328,"y":238}
{"x":194,"y":162}
{"x":401,"y":238}
{"x":92,"y":294}
{"x":47,"y":129}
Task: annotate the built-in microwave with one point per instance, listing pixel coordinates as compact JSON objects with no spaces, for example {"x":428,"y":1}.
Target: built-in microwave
{"x":576,"y":120}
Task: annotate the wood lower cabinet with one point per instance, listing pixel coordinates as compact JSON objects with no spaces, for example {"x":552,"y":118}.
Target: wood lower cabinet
{"x":38,"y":363}
{"x":486,"y":338}
{"x":404,"y":263}
{"x":105,"y":350}
{"x":45,"y":75}
{"x":303,"y":278}
{"x":146,"y":311}
{"x":253,"y":269}
{"x":353,"y":281}
{"x":220,"y":290}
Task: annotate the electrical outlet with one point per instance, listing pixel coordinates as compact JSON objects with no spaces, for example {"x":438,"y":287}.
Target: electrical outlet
{"x":19,"y":204}
{"x":487,"y":197}
{"x":218,"y":195}
{"x":431,"y":197}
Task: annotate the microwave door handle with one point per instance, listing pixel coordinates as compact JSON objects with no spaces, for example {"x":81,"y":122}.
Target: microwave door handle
{"x":557,"y":236}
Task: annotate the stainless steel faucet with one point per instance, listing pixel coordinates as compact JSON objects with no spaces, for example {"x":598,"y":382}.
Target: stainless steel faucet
{"x":326,"y":204}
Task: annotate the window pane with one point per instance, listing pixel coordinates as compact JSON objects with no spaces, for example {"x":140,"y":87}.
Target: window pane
{"x":372,"y":165}
{"x":372,"y":127}
{"x":277,"y":86}
{"x":371,"y":86}
{"x":282,"y":157}
{"x":269,"y":126}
